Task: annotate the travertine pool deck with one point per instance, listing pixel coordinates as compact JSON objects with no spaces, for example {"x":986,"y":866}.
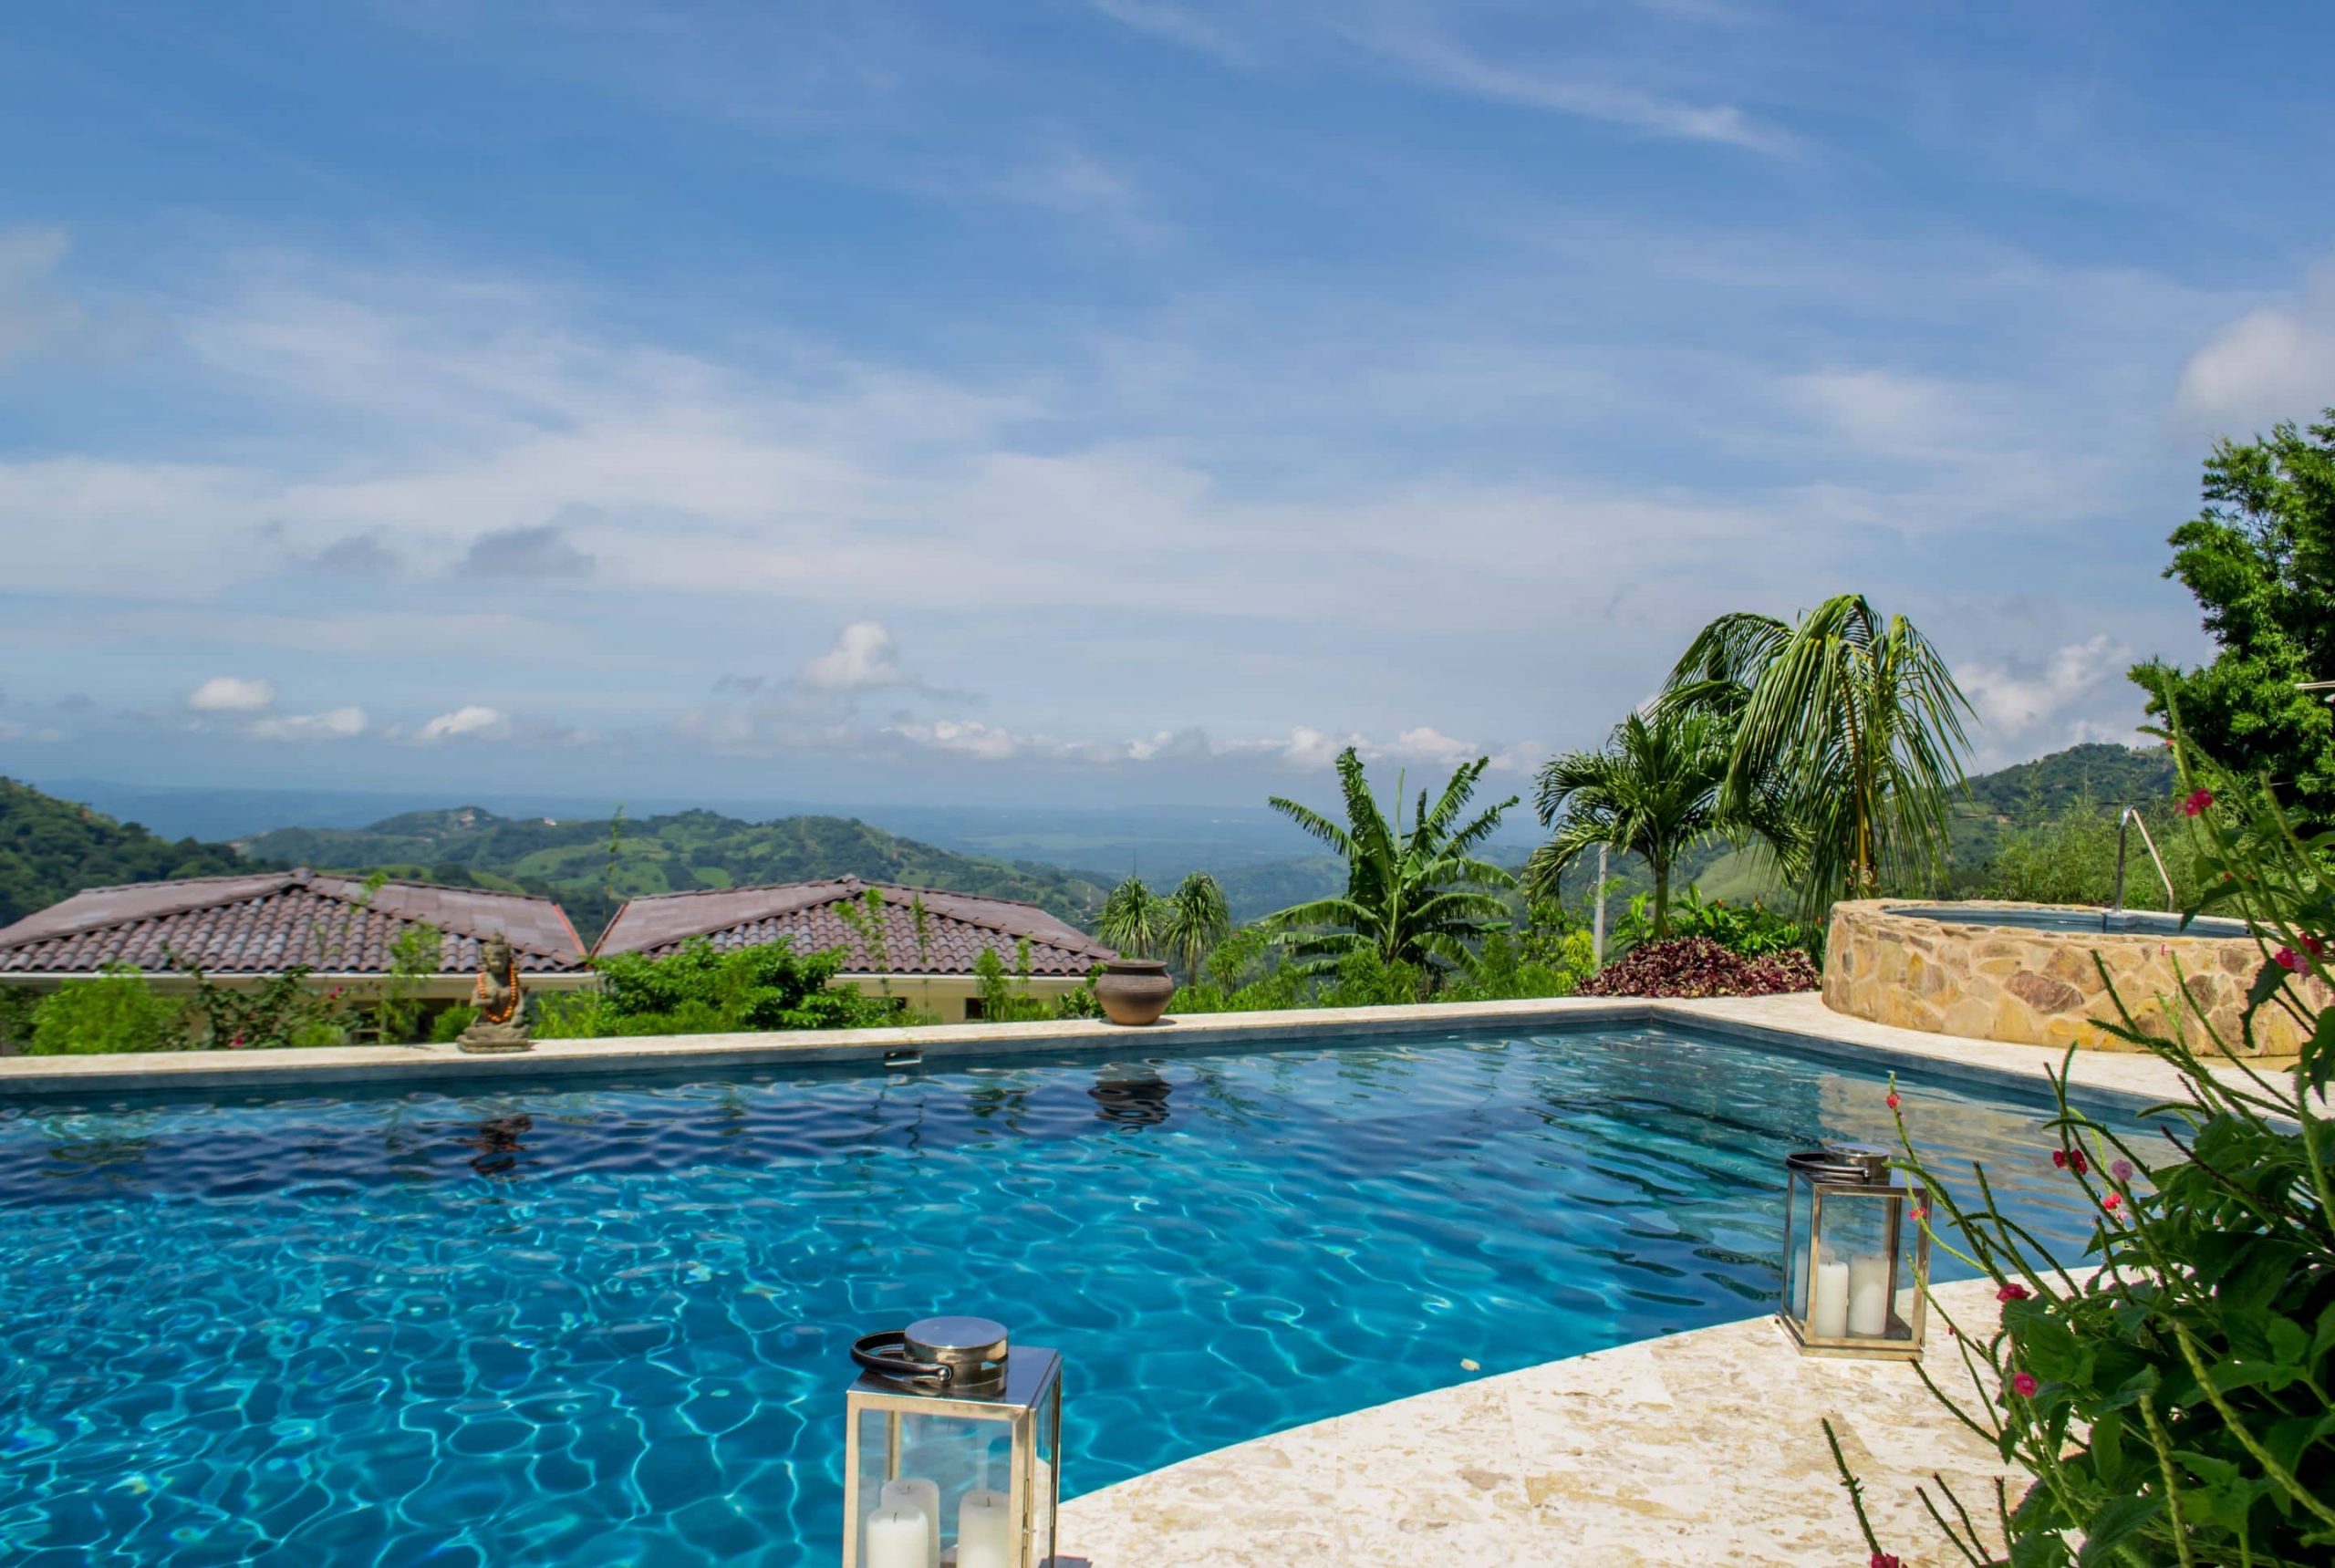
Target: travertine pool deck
{"x":1703,"y":1447}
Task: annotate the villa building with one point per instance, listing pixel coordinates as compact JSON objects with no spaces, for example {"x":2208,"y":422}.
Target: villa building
{"x":243,"y":929}
{"x":919,"y":944}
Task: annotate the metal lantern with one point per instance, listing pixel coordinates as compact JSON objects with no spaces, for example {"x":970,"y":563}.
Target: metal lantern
{"x":954,"y":1450}
{"x":1855,"y":1260}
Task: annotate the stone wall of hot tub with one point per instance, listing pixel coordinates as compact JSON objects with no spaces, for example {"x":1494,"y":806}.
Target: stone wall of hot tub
{"x":2034,"y":986}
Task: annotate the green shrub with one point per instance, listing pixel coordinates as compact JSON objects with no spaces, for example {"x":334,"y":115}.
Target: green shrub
{"x":2069,"y":857}
{"x":281,"y":1010}
{"x":1748,"y":930}
{"x":702,"y":990}
{"x":2173,"y":1407}
{"x":118,"y":1011}
{"x":450,"y":1024}
{"x":16,"y":1005}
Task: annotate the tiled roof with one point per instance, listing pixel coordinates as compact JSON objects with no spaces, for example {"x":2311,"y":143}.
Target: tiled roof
{"x":270,"y":921}
{"x":957,"y":927}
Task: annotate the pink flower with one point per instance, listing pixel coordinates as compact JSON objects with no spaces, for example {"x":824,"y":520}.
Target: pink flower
{"x":2013,"y":1292}
{"x":2198,"y":803}
{"x":2121,"y":1169}
{"x":236,"y":1043}
{"x":2290,"y":959}
{"x":2026,"y":1385}
{"x":1921,"y":1213}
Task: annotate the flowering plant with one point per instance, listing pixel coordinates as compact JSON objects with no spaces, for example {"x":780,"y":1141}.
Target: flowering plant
{"x":2173,"y":1405}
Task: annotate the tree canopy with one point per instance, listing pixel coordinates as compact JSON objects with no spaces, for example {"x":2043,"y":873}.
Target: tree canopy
{"x":2260,"y":561}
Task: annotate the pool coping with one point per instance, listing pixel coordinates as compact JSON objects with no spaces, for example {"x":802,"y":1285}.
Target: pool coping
{"x":1797,"y":1022}
{"x":1701,"y":1447}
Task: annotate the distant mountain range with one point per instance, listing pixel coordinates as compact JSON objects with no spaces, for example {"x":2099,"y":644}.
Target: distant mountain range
{"x":52,"y":847}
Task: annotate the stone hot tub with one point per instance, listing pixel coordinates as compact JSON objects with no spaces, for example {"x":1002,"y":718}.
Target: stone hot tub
{"x":2026,"y":972}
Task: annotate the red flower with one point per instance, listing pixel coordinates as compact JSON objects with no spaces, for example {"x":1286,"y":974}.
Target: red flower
{"x":2026,"y":1385}
{"x":2288,"y":958}
{"x":236,"y":1043}
{"x":1884,"y":1560}
{"x":2317,"y":948}
{"x":1893,"y":1099}
{"x":2077,"y":1163}
{"x":2198,"y":803}
{"x":2111,"y":1201}
{"x":2059,"y":1157}
{"x":2013,"y":1292}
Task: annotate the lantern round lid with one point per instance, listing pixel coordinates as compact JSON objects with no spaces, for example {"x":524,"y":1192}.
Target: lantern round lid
{"x":966,"y":1344}
{"x":1859,"y":1162}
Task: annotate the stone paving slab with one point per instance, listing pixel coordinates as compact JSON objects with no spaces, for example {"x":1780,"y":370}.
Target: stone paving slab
{"x":1701,"y":1448}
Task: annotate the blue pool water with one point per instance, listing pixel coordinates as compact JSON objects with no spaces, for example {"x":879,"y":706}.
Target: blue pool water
{"x":609,"y":1324}
{"x":2136,"y":922}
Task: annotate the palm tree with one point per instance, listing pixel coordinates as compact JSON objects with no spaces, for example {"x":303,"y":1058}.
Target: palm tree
{"x":1854,"y":720}
{"x":1193,"y":919}
{"x":1410,"y":895}
{"x":1656,"y":788}
{"x":1130,"y":919}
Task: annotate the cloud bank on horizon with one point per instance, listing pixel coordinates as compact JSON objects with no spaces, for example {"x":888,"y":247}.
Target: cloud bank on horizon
{"x":1118,"y":400}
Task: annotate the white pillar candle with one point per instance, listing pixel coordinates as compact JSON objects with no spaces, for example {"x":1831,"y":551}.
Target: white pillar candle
{"x":897,"y":1538}
{"x":1827,"y":1302}
{"x":1869,"y":1295}
{"x":984,"y":1531}
{"x":924,"y":1497}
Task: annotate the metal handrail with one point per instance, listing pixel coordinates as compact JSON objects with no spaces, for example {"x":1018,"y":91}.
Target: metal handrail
{"x":2132,"y":818}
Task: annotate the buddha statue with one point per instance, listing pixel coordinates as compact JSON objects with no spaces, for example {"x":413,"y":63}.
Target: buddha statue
{"x":501,"y":1002}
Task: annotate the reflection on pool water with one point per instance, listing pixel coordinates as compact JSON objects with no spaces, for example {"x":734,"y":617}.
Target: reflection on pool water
{"x":2041,"y":917}
{"x":609,"y":1324}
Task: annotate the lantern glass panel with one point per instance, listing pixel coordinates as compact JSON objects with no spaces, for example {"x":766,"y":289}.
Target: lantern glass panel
{"x":996,"y":1450}
{"x":1854,"y":1257}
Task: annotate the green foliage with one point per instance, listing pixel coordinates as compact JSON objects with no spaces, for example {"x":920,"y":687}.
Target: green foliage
{"x":1851,"y":725}
{"x":702,"y":990}
{"x":269,"y":1013}
{"x":1656,"y":789}
{"x":1183,"y":927}
{"x":592,"y":866}
{"x":414,"y":956}
{"x":16,"y":1005}
{"x":1415,"y":898}
{"x":2069,"y":857}
{"x":51,"y":849}
{"x":1748,"y":930}
{"x":118,"y":1010}
{"x":2260,"y":560}
{"x":2173,"y":1407}
{"x":1006,"y":998}
{"x":449,"y":1025}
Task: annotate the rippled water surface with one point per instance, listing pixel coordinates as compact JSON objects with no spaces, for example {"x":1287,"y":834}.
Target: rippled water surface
{"x":609,"y":1324}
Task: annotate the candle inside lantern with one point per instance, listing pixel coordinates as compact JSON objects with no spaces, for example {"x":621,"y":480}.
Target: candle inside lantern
{"x":924,"y":1497}
{"x":1828,"y":1301}
{"x":898,"y":1537}
{"x":1869,"y":1295}
{"x":984,"y":1531}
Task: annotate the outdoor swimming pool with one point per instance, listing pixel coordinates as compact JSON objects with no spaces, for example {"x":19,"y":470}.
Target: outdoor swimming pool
{"x":609,"y":1324}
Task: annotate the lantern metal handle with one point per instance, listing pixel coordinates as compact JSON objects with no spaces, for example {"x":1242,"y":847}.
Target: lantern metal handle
{"x":867,"y":1351}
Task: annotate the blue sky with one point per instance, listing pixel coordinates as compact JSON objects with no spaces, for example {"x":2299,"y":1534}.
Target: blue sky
{"x":1102,"y":400}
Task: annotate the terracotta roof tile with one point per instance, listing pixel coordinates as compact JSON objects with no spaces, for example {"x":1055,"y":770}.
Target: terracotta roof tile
{"x":271,"y":921}
{"x":957,"y":927}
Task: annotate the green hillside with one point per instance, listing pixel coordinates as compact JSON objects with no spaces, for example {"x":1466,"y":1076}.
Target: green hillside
{"x":52,"y":848}
{"x":570,"y":859}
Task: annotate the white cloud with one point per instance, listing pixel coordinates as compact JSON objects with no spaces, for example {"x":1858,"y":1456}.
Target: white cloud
{"x":863,"y":660}
{"x":2276,"y":362}
{"x":471,"y":721}
{"x":12,"y":731}
{"x":970,"y":737}
{"x":1177,"y":23}
{"x":1443,"y":62}
{"x":334,"y":724}
{"x":232,"y":694}
{"x":2034,"y":706}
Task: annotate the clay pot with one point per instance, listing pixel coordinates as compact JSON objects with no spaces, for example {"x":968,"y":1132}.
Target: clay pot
{"x":1134,"y":991}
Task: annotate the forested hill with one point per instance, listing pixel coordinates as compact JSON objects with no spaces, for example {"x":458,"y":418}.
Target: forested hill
{"x":591,"y":866}
{"x":52,"y":848}
{"x":2112,"y":775}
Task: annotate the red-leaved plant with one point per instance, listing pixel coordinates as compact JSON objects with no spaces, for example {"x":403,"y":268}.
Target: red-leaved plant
{"x":1698,"y":966}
